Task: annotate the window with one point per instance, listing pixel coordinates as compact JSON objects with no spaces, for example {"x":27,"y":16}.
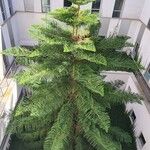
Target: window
{"x":142,"y":140}
{"x":67,"y":3}
{"x":135,"y":51}
{"x":45,"y":5}
{"x":117,"y":8}
{"x":11,"y":35}
{"x":96,"y":6}
{"x":2,"y":6}
{"x":5,"y":58}
{"x":129,"y":89}
{"x":148,"y":25}
{"x":10,"y":7}
{"x":147,"y":74}
{"x":132,"y":116}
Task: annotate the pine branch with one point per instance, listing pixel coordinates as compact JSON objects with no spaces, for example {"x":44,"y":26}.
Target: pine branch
{"x":120,"y":135}
{"x":117,"y":96}
{"x":90,"y":80}
{"x":91,"y":57}
{"x":92,"y":111}
{"x":57,"y":137}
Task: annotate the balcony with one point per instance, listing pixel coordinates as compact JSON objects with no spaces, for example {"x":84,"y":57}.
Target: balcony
{"x":6,"y":87}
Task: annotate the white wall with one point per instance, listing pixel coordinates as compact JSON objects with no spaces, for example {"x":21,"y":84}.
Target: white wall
{"x":23,"y":25}
{"x":55,"y":5}
{"x":18,"y":5}
{"x":37,"y":6}
{"x":132,"y":8}
{"x":144,"y":50}
{"x":134,"y":30}
{"x":114,"y":27}
{"x":142,"y":122}
{"x":145,"y":15}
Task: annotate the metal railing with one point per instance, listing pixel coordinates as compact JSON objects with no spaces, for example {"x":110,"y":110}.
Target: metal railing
{"x":7,"y":78}
{"x":5,"y":84}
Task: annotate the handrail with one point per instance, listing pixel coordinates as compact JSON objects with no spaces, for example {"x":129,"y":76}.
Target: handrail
{"x":9,"y":71}
{"x":8,"y":83}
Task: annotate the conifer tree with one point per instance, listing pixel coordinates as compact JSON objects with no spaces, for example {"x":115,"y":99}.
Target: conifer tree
{"x":68,"y":104}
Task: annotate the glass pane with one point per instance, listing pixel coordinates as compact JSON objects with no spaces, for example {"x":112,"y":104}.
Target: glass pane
{"x":142,"y":139}
{"x":67,"y":3}
{"x":118,"y":4}
{"x":147,"y":76}
{"x":96,"y":4}
{"x":45,"y":5}
{"x":116,"y":14}
{"x":46,"y":2}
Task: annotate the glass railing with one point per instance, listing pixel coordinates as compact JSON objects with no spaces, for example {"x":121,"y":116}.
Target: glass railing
{"x":5,"y":83}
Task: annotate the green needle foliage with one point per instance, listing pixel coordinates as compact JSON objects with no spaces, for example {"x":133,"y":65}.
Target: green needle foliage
{"x":68,"y":106}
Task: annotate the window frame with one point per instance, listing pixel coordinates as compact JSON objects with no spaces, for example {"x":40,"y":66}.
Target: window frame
{"x":68,"y":5}
{"x":132,"y":116}
{"x":45,"y":7}
{"x":141,"y":140}
{"x":117,"y":10}
{"x":96,"y":10}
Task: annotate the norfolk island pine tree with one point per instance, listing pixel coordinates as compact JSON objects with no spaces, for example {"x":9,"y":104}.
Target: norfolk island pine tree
{"x":69,"y":102}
